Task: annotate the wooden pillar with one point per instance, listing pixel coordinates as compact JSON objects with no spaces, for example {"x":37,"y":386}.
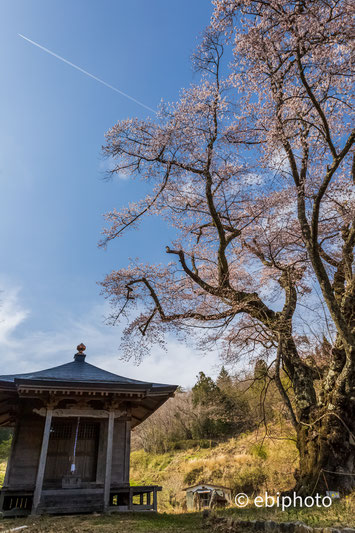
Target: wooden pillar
{"x":130,"y":500}
{"x":42,"y":461}
{"x":127,"y":451}
{"x":155,"y":500}
{"x":107,"y":486}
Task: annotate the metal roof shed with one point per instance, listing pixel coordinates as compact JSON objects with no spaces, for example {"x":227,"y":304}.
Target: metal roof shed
{"x":206,"y":495}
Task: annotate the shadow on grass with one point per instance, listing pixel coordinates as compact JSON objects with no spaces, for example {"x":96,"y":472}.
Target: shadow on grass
{"x":124,"y":522}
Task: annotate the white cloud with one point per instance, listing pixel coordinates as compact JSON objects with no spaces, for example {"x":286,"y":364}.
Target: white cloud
{"x":37,"y":349}
{"x":11,"y":316}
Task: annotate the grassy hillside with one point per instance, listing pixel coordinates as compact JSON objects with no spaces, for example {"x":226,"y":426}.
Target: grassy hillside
{"x":245,"y":464}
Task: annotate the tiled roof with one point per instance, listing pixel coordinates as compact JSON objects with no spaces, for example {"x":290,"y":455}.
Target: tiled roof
{"x":79,"y":371}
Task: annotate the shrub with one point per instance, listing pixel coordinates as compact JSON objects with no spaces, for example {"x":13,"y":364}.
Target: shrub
{"x":259,"y":450}
{"x":193,"y":476}
{"x":248,"y":480}
{"x":193,"y":443}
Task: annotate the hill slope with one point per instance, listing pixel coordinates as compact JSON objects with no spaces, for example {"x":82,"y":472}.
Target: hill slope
{"x":244,"y":464}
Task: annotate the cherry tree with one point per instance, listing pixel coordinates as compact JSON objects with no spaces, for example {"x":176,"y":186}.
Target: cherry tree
{"x":251,"y":168}
{"x":294,"y":60}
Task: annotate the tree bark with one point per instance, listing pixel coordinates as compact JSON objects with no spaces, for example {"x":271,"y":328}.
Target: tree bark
{"x":324,"y":419}
{"x":327,"y":451}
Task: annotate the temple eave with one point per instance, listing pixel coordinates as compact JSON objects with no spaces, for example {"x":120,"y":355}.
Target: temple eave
{"x":71,"y":445}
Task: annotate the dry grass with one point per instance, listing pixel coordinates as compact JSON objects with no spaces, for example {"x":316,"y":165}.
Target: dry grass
{"x":238,"y":463}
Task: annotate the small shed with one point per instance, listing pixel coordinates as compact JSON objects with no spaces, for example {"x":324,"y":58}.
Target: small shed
{"x":71,"y":444}
{"x":205,"y":495}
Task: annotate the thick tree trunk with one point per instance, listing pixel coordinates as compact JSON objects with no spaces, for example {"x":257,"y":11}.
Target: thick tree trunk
{"x":324,"y":419}
{"x":326,"y":446}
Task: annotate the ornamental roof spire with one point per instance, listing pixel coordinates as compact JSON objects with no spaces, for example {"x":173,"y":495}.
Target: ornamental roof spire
{"x":80,"y":356}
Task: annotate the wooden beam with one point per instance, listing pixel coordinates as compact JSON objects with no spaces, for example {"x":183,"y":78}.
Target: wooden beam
{"x":107,"y":486}
{"x":6,"y":422}
{"x":42,"y":461}
{"x":75,"y":412}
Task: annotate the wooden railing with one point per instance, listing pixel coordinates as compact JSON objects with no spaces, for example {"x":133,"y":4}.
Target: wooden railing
{"x":137,"y":498}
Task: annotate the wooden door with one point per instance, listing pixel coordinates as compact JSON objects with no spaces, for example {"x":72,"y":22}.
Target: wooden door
{"x":86,"y":450}
{"x":61,"y":448}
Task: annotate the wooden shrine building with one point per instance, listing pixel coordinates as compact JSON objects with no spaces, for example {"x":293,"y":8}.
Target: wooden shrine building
{"x":71,"y":444}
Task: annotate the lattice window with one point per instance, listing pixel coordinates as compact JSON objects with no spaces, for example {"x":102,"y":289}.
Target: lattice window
{"x":61,"y":431}
{"x":88,"y":430}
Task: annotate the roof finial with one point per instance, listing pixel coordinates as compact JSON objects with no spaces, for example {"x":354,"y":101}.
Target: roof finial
{"x":80,"y":356}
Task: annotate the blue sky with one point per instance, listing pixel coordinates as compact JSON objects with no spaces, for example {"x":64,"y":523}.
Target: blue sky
{"x":53,"y":195}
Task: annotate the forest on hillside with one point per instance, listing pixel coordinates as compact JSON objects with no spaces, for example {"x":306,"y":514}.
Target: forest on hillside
{"x":214,"y":411}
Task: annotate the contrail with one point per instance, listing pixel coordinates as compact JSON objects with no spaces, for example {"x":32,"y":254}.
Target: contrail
{"x":87,"y":73}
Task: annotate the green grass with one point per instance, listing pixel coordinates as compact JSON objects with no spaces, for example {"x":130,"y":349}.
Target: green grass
{"x":340,"y":514}
{"x":2,"y":472}
{"x":124,"y":522}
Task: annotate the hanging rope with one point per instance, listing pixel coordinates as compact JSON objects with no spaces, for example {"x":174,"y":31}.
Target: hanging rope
{"x":325,"y":479}
{"x":72,"y":467}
